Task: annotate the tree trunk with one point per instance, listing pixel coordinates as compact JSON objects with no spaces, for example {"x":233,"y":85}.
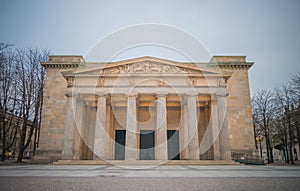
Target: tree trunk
{"x":297,"y":123}
{"x":260,"y":150}
{"x":271,"y":155}
{"x":291,"y":141}
{"x":268,"y":145}
{"x":291,"y":154}
{"x":287,"y":158}
{"x":268,"y":149}
{"x":22,"y":141}
{"x":3,"y":143}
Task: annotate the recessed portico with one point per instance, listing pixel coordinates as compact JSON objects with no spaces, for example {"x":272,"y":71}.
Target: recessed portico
{"x":141,"y":97}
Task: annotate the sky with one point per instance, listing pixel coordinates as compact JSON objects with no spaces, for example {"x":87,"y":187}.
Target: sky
{"x":267,"y":32}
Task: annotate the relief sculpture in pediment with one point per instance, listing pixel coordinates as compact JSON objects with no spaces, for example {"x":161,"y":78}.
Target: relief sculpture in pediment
{"x":144,"y":68}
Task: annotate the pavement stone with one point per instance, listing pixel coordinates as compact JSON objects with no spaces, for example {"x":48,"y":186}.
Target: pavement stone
{"x":144,"y":178}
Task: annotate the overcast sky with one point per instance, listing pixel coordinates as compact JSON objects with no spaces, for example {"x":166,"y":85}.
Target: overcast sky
{"x":267,"y":32}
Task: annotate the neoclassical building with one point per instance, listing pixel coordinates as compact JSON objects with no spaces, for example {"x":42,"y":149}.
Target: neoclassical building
{"x":146,"y":109}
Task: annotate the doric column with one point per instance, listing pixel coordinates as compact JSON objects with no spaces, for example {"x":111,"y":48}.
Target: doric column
{"x":161,"y":146}
{"x":207,"y":142}
{"x":214,"y":116}
{"x":193,"y":127}
{"x":208,"y":133}
{"x":202,"y":132}
{"x":91,"y":131}
{"x":83,"y":131}
{"x":99,"y":140}
{"x":78,"y":132}
{"x":111,"y":131}
{"x":223,"y":135}
{"x":67,"y":151}
{"x":131,"y":128}
{"x":185,"y":129}
{"x":86,"y":131}
{"x":108,"y":139}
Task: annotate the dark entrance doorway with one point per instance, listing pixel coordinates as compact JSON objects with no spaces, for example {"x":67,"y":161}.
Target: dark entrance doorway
{"x":120,"y":144}
{"x":173,"y":145}
{"x":146,"y":145}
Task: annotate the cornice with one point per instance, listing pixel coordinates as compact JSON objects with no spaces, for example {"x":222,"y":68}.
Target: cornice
{"x":234,"y":65}
{"x":60,"y":65}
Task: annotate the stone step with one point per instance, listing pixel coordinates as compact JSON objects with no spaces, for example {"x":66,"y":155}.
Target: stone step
{"x":145,"y":162}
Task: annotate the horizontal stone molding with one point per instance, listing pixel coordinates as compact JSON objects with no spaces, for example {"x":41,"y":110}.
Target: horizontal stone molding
{"x":234,"y":65}
{"x":60,"y":65}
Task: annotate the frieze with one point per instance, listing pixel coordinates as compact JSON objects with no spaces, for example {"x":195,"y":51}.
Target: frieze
{"x":145,"y":68}
{"x":221,"y":82}
{"x":192,"y":81}
{"x":161,"y":83}
{"x":100,"y":82}
{"x":131,"y":82}
{"x":70,"y":82}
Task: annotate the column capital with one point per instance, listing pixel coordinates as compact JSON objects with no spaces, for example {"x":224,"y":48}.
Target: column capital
{"x":222,"y":94}
{"x":183,"y":102}
{"x":71,"y":94}
{"x":215,"y":97}
{"x":181,"y":96}
{"x":161,"y":95}
{"x":182,"y":99}
{"x":112,"y":95}
{"x":100,"y":94}
{"x":132,"y":94}
{"x":191,"y":94}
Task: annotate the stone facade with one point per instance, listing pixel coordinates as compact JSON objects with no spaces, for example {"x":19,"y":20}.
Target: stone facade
{"x":146,"y":108}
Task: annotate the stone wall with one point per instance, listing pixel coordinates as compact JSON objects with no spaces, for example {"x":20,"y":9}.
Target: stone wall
{"x":53,"y":116}
{"x":239,"y":109}
{"x":239,"y":112}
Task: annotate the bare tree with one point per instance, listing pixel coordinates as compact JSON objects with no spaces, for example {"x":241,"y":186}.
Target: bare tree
{"x":295,"y":89}
{"x":8,"y":101}
{"x":285,"y":109}
{"x":21,"y":94}
{"x":262,"y":104}
{"x":31,"y":86}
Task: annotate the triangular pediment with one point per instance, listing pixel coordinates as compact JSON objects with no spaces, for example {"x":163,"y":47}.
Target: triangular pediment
{"x":144,"y":65}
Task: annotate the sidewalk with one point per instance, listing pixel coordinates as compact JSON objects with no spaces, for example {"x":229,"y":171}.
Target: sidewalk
{"x":282,"y":163}
{"x":13,"y":162}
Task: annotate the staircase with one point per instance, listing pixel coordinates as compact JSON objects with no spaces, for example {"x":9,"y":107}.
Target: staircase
{"x":145,"y":162}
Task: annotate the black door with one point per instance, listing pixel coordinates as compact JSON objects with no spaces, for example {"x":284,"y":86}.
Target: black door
{"x":120,"y":144}
{"x":173,"y":145}
{"x":146,"y":145}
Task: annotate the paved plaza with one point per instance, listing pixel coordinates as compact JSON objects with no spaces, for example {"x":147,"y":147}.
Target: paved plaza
{"x":150,"y":171}
{"x":143,"y":177}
